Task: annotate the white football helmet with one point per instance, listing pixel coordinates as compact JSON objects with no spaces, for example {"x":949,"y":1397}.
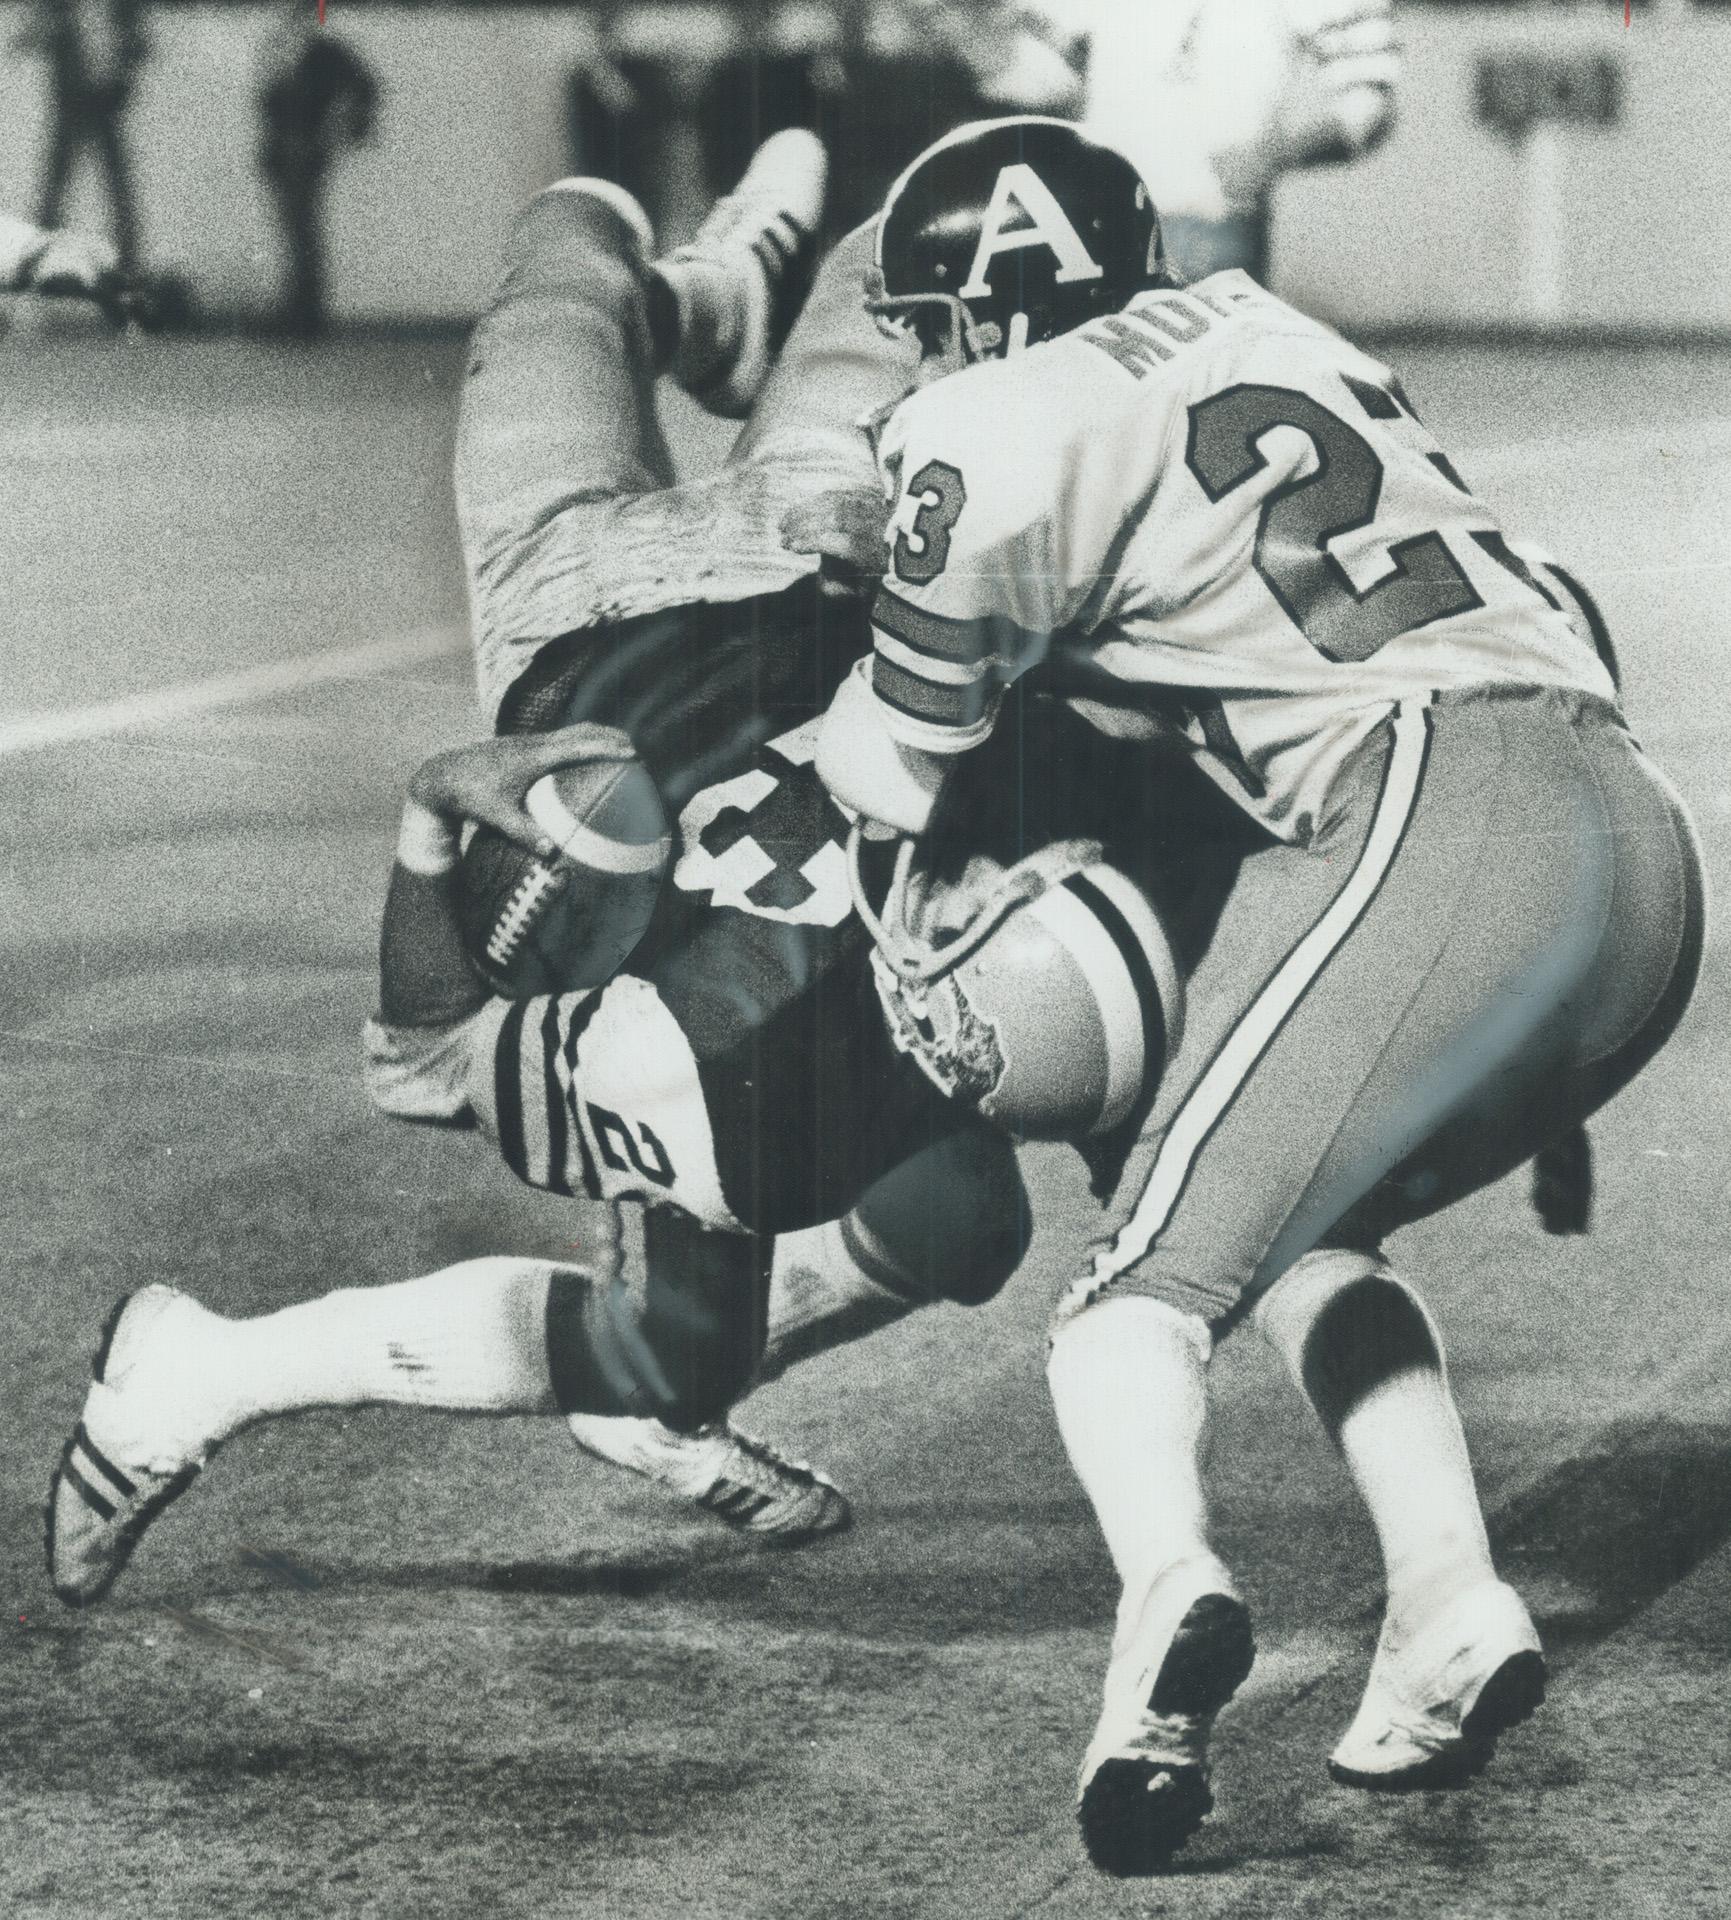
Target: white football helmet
{"x":1046,"y":994}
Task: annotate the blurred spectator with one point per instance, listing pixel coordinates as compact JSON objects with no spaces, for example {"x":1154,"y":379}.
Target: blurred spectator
{"x":879,"y":80}
{"x":94,"y":49}
{"x":918,"y":69}
{"x":317,"y":99}
{"x":1215,"y":99}
{"x":1023,"y":56}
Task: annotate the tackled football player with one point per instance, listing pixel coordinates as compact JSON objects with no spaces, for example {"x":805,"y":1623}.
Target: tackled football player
{"x":1476,"y":913}
{"x":739,"y":1082}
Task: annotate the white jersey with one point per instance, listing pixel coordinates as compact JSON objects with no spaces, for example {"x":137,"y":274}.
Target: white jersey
{"x":1205,"y":510}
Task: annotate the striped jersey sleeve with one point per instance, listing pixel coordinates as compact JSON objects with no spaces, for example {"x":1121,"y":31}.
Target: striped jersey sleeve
{"x":1007,"y":503}
{"x":508,"y":1066}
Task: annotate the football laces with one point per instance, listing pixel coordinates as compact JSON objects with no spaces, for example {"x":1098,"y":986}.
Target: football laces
{"x":520,"y":913}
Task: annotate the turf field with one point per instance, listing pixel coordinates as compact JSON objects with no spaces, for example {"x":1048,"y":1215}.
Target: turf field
{"x":395,"y":1665}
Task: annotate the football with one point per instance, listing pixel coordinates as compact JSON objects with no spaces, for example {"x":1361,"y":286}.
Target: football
{"x":553,"y":926}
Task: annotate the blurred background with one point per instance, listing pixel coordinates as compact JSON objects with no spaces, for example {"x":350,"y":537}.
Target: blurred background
{"x":1549,"y":166}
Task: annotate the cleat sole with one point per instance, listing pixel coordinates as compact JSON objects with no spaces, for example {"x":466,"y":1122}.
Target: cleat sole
{"x":1514,"y":1693}
{"x":1136,"y":1814}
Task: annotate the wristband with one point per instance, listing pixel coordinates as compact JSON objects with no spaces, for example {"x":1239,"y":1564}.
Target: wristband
{"x":426,"y":843}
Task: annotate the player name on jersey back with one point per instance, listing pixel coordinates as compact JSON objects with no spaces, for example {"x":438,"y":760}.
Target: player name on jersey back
{"x":1208,"y":496}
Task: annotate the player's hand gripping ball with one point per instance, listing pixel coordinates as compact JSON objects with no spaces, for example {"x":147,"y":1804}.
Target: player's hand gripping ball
{"x":569,"y":915}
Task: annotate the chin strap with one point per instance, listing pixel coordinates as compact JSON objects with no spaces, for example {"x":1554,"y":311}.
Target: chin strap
{"x":918,"y":961}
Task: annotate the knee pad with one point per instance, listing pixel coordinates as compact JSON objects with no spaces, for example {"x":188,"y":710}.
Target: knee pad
{"x":1344,"y":1324}
{"x":681,"y":1347}
{"x":952,"y":1222}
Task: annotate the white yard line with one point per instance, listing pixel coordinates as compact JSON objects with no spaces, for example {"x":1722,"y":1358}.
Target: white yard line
{"x":168,"y":706}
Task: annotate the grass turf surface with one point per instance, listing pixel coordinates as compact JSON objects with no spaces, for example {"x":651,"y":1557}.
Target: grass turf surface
{"x":393,"y":1664}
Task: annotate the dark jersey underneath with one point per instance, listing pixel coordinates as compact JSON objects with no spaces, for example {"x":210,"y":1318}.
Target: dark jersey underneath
{"x":808,"y":1099}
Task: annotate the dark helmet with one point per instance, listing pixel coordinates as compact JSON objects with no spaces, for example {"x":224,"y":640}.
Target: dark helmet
{"x":1016,"y":230}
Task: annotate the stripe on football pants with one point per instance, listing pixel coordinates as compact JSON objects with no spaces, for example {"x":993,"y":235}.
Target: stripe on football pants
{"x":1209,"y":1100}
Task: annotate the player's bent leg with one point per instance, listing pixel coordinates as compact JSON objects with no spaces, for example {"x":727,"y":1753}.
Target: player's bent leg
{"x":680,"y":1350}
{"x":951,"y":1222}
{"x":836,"y":370}
{"x":1508,"y":906}
{"x":1127,"y":1381}
{"x":1447,"y":973}
{"x":557,"y":421}
{"x":1572,"y":958}
{"x":1458,"y":1661}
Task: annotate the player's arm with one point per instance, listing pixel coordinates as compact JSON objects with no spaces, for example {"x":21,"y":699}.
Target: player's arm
{"x":999,"y":533}
{"x":419,"y":1051}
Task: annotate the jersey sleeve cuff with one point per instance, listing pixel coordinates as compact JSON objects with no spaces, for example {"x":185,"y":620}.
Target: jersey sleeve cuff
{"x":439,"y":1074}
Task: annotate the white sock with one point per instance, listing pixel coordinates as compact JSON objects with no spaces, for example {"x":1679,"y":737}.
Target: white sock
{"x":1367,"y":1355}
{"x":469,"y":1339}
{"x":829,"y":1286}
{"x":1128,"y":1378}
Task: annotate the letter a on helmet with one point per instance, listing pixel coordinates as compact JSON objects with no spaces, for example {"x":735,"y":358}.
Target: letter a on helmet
{"x":1021,"y":189}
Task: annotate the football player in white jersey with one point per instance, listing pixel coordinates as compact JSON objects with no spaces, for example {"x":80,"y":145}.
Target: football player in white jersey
{"x":1477,"y":911}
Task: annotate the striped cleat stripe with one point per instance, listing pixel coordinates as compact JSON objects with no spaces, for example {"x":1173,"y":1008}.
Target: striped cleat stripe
{"x":99,"y":1502}
{"x":106,"y":1467}
{"x":737,"y":1503}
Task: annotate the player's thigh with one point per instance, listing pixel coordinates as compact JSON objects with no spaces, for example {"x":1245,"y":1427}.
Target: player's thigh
{"x":1597,"y":1035}
{"x":836,"y":368}
{"x":1440,"y":966}
{"x":558,"y":391}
